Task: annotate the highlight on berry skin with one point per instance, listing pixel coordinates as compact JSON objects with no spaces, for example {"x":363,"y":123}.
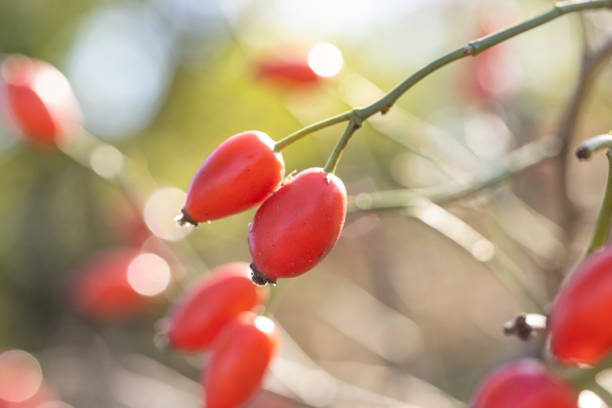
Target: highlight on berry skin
{"x":239,"y":174}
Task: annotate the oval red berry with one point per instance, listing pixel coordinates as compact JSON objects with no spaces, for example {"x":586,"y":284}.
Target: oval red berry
{"x":40,"y":100}
{"x":580,"y":320}
{"x":298,"y":226}
{"x":239,"y":361}
{"x":523,"y":384}
{"x":238,"y":174}
{"x":211,"y":304}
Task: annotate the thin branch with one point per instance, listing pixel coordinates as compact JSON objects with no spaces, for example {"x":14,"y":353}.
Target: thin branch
{"x":481,"y":248}
{"x":473,"y":48}
{"x":281,"y":144}
{"x":516,"y":162}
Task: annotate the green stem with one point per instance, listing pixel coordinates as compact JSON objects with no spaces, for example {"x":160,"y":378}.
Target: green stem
{"x":294,"y":137}
{"x":334,"y":157}
{"x":473,"y":48}
{"x":602,"y":393}
{"x":602,"y":227}
{"x":585,"y":378}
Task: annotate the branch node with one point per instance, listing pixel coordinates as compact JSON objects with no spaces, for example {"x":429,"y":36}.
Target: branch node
{"x":469,"y":49}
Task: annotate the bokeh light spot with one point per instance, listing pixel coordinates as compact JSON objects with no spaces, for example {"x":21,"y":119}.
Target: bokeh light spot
{"x":325,"y":59}
{"x":161,"y":209}
{"x":20,"y":375}
{"x":264,"y":324}
{"x":149,"y":274}
{"x":588,"y":399}
{"x":106,"y":161}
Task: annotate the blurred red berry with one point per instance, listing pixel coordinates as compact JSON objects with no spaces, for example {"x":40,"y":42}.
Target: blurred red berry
{"x":286,"y":72}
{"x":239,"y":360}
{"x":116,"y":285}
{"x":298,"y":226}
{"x":492,"y":75}
{"x":40,"y":100}
{"x":127,"y":224}
{"x":238,"y":174}
{"x":211,"y":304}
{"x":524,"y":384}
{"x":580,"y":321}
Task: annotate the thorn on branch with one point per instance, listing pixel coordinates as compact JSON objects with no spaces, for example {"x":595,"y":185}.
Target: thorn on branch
{"x":525,"y":326}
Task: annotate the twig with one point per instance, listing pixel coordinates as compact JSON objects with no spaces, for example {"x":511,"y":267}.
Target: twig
{"x":482,"y":249}
{"x":473,"y":48}
{"x":516,"y":162}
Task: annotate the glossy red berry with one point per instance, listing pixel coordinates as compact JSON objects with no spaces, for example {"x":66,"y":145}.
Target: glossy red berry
{"x":40,"y":100}
{"x":211,"y":304}
{"x":118,"y":284}
{"x":239,"y":360}
{"x":524,"y":384}
{"x":239,"y":174}
{"x":286,"y":72}
{"x":297,"y":227}
{"x":580,"y":321}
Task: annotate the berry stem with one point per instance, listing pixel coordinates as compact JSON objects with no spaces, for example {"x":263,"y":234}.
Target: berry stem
{"x":334,"y":157}
{"x":295,"y":136}
{"x":594,"y":144}
{"x":602,"y":227}
{"x":586,"y":379}
{"x":472,"y":48}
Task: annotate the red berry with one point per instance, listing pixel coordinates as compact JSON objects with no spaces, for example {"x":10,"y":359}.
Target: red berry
{"x":239,"y":174}
{"x":523,"y":384}
{"x":580,"y":320}
{"x":211,"y":304}
{"x":109,"y":286}
{"x":298,"y":226}
{"x":287,"y":72}
{"x":239,"y":360}
{"x":40,"y":100}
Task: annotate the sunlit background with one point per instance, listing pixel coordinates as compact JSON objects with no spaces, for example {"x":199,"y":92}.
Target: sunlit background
{"x":406,"y":311}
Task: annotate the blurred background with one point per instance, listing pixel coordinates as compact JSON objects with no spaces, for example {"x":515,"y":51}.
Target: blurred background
{"x":408,"y":309}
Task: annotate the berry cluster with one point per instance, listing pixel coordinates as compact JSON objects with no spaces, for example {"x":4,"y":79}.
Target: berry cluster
{"x":297,"y":225}
{"x":300,"y":219}
{"x":217,"y":315}
{"x":580,"y":331}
